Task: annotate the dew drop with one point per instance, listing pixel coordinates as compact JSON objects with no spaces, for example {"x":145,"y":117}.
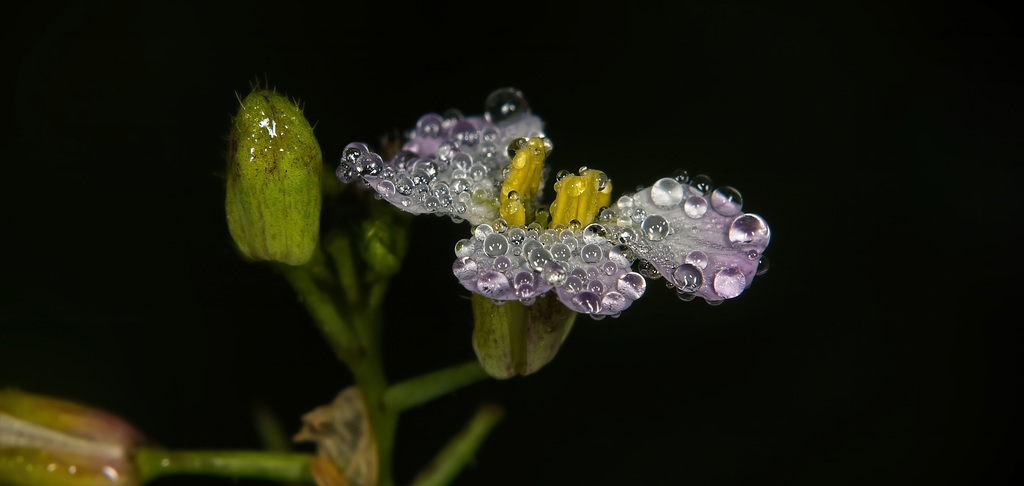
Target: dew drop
{"x":403,"y":184}
{"x":553,"y":273}
{"x":514,"y":146}
{"x":695,"y":207}
{"x":492,"y":284}
{"x":429,"y":125}
{"x":632,"y":285}
{"x":464,"y":268}
{"x":702,"y":184}
{"x":561,"y":252}
{"x":386,"y":188}
{"x":596,"y":287}
{"x":729,"y":282}
{"x":727,"y":201}
{"x":749,"y":229}
{"x":681,"y":176}
{"x":587,"y":302}
{"x":655,"y":227}
{"x":688,"y":278}
{"x":516,"y":235}
{"x":537,"y":257}
{"x":614,"y":302}
{"x":523,"y":277}
{"x":697,"y":258}
{"x":609,"y":268}
{"x":667,"y":193}
{"x":502,"y":263}
{"x":594,"y":233}
{"x":504,"y":104}
{"x":762,"y":266}
{"x":591,"y":253}
{"x":573,"y":284}
{"x":464,"y":248}
{"x":495,"y":245}
{"x":500,"y":225}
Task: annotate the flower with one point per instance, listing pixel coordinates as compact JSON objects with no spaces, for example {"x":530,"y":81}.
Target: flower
{"x":49,"y":441}
{"x":488,"y":170}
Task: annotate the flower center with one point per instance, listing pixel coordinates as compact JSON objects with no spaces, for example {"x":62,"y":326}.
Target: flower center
{"x":580,"y":197}
{"x":523,"y":181}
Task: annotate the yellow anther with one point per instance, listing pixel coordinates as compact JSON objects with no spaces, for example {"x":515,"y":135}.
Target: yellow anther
{"x":580,"y":197}
{"x":523,"y":182}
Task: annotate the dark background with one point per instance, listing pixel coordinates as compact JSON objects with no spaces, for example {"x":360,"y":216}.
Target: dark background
{"x":882,"y":144}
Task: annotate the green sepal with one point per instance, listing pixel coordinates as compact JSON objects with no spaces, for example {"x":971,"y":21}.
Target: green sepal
{"x":273,"y":180}
{"x":515,"y":339}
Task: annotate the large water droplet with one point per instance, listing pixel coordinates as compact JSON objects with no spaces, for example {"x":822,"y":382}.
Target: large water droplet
{"x":750,"y":229}
{"x":523,"y":278}
{"x":464,"y":248}
{"x":502,"y":263}
{"x":537,"y":257}
{"x":655,"y":227}
{"x":492,"y":284}
{"x":697,"y":258}
{"x":614,"y":302}
{"x":729,"y":282}
{"x":587,"y":302}
{"x":516,"y":235}
{"x":632,"y":285}
{"x":464,"y":268}
{"x":505,"y":104}
{"x":695,"y":207}
{"x":666,"y":193}
{"x":591,"y":253}
{"x":727,"y":201}
{"x":465,"y":133}
{"x":429,"y":125}
{"x":594,"y":232}
{"x":701,"y":184}
{"x":495,"y":245}
{"x":561,"y":252}
{"x":553,"y":273}
{"x":688,"y":278}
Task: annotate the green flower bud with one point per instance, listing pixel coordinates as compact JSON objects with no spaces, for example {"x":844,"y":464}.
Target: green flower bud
{"x":515,"y":339}
{"x":273,"y":180}
{"x":48,"y":441}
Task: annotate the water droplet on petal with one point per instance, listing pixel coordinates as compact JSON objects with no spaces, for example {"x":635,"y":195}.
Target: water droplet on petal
{"x":667,"y":193}
{"x":492,"y":284}
{"x":729,"y":282}
{"x":504,"y":104}
{"x":516,"y":235}
{"x":762,"y":266}
{"x":727,"y":201}
{"x":697,"y":258}
{"x":464,"y":248}
{"x":514,"y":146}
{"x":750,"y":229}
{"x":591,"y":253}
{"x":655,"y":227}
{"x":464,"y":268}
{"x":695,"y":207}
{"x":587,"y":302}
{"x":688,"y":278}
{"x":561,"y":252}
{"x":429,"y":125}
{"x":632,"y":285}
{"x":502,"y":263}
{"x":537,"y":257}
{"x":553,"y":273}
{"x":702,"y":184}
{"x":495,"y":245}
{"x":614,"y":302}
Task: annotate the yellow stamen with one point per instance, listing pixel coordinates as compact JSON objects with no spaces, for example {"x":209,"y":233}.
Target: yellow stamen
{"x":523,"y":182}
{"x":580,"y":197}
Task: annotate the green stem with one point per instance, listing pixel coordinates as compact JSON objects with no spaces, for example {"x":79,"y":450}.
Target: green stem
{"x":153,"y":463}
{"x":339,"y":247}
{"x":422,"y":389}
{"x":324,"y":312}
{"x":450,"y":460}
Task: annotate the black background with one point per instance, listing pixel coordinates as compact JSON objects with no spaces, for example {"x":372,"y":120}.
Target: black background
{"x":880,"y":142}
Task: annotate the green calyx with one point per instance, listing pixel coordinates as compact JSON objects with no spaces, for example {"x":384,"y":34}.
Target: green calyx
{"x":273,"y":180}
{"x":515,"y":339}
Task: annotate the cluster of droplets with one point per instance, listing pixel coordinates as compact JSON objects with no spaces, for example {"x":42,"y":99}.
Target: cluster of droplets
{"x":696,"y":237}
{"x":589,"y":272}
{"x":451,"y":165}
